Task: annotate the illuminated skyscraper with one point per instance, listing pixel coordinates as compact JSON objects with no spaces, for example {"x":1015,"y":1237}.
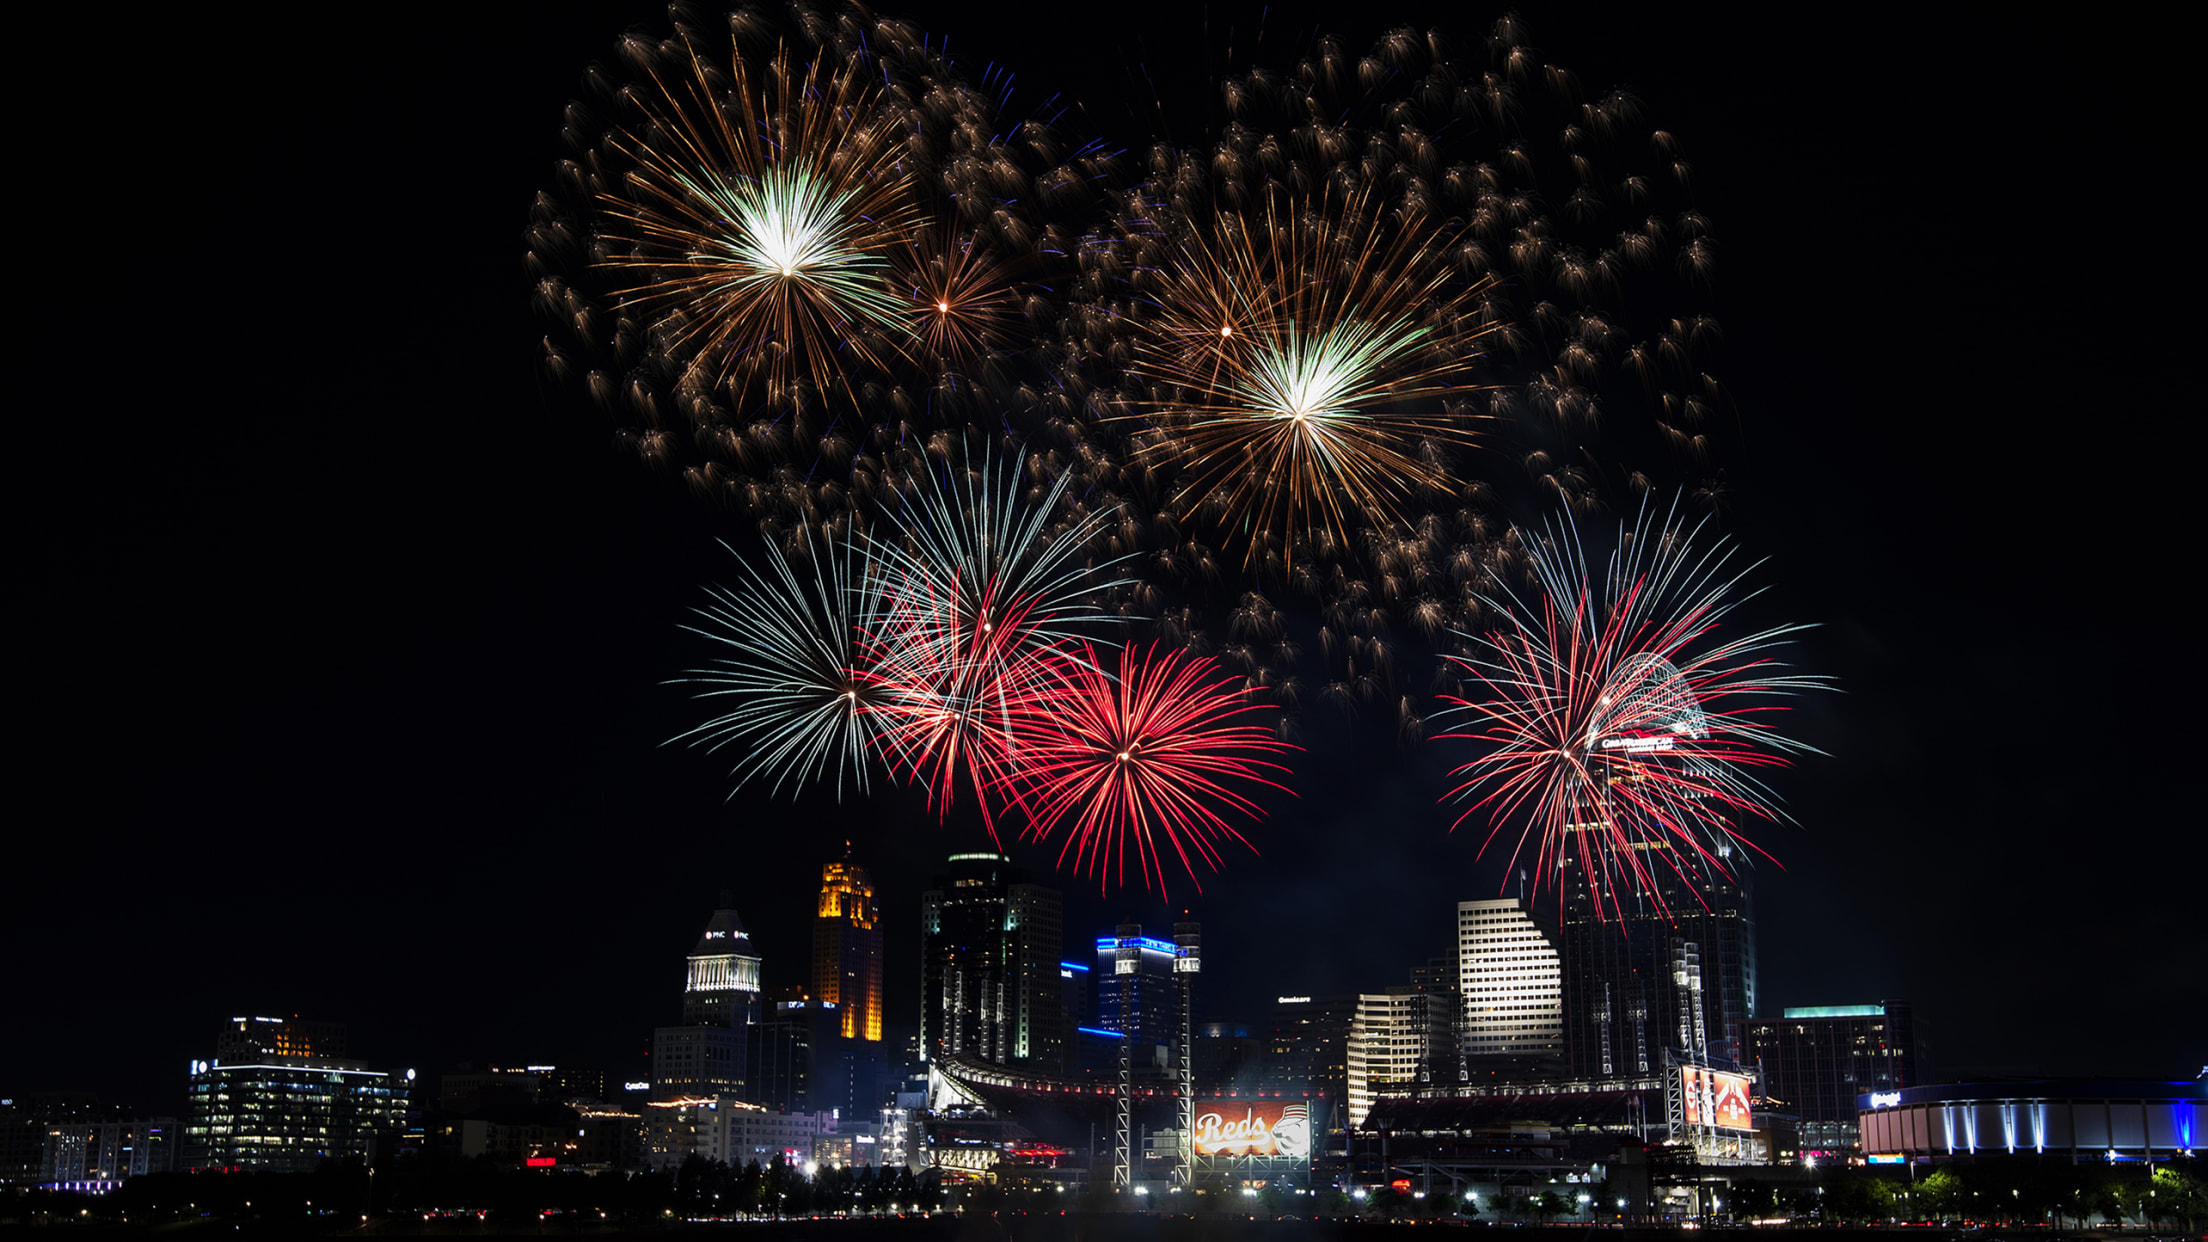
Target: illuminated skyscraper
{"x":1679,"y":975}
{"x":991,"y":986}
{"x":1150,"y":1011}
{"x":847,"y":949}
{"x":720,"y":1004}
{"x":1508,"y":974}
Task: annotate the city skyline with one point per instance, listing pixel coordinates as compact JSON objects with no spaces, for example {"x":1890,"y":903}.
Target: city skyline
{"x":357,"y":686}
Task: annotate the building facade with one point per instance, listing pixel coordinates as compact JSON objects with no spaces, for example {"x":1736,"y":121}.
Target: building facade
{"x":1646,"y":971}
{"x":1140,"y":997}
{"x":2078,"y":1120}
{"x":1307,"y":1055}
{"x":1406,"y":1034}
{"x":277,"y":1098}
{"x":991,"y":988}
{"x":1511,"y":981}
{"x":96,"y":1156}
{"x":1814,"y":1062}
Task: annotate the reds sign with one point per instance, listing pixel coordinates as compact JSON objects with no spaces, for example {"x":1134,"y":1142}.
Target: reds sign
{"x":1253,"y":1128}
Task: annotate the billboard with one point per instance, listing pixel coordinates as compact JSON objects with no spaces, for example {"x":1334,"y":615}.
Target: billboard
{"x":1253,"y":1128}
{"x":1728,"y":1098}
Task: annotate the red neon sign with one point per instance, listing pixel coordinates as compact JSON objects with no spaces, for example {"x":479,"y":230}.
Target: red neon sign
{"x":541,"y":1162}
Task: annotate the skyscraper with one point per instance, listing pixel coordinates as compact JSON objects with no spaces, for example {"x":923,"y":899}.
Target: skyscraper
{"x":847,"y":949}
{"x":1646,"y":977}
{"x":1512,"y":985}
{"x":720,"y":1004}
{"x":1149,"y":1013}
{"x":991,"y":988}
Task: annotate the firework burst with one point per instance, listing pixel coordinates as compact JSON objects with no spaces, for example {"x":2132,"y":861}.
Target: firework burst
{"x":799,"y":647}
{"x":983,"y":597}
{"x":1621,"y":731}
{"x":1308,"y":361}
{"x":759,"y":217}
{"x":1151,"y":759}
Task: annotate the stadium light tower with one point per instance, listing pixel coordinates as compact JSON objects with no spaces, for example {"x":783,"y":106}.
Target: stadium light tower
{"x":1188,"y":943}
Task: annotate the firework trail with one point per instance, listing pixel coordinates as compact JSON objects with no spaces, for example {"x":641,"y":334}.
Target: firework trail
{"x":803,"y":700}
{"x":1621,"y":730}
{"x":1164,"y":748}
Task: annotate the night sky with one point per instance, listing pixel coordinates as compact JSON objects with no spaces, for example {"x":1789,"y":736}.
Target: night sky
{"x":344,"y":628}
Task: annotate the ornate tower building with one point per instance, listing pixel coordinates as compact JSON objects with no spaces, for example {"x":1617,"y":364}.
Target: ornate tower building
{"x":847,"y":949}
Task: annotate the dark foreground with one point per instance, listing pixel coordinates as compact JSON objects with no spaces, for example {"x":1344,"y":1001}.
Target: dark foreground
{"x":1072,"y":1227}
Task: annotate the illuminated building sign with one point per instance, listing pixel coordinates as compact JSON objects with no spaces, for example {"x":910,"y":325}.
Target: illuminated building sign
{"x":541,"y":1162}
{"x":1728,"y":1098}
{"x":1885,"y":1099}
{"x":1253,"y":1128}
{"x":1151,"y":943}
{"x":1292,"y":1000}
{"x":1894,"y":1158}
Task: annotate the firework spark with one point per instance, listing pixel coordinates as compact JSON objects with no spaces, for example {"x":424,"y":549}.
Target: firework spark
{"x":960,"y":303}
{"x":803,"y":702}
{"x":1623,"y":733}
{"x":1142,"y":761}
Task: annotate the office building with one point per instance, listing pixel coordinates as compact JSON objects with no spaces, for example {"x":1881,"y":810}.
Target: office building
{"x":1646,"y":974}
{"x":991,"y":986}
{"x":1509,"y":975}
{"x":1814,"y":1062}
{"x":720,"y":1004}
{"x":1406,"y":1034}
{"x":277,"y":1097}
{"x":847,"y":950}
{"x":1307,"y":1054}
{"x":1138,"y":994}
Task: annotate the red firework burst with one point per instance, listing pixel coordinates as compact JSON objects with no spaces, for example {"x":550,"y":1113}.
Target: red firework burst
{"x":953,"y":682}
{"x":1157,"y":751}
{"x":1622,"y":734}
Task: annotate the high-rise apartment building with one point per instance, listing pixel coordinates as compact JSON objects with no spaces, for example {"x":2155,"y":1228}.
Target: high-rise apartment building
{"x":1645,"y":973}
{"x":98,"y":1156}
{"x":720,"y":1004}
{"x":991,"y":987}
{"x":277,"y":1096}
{"x":1816,"y":1060}
{"x":847,"y":950}
{"x":1511,"y":981}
